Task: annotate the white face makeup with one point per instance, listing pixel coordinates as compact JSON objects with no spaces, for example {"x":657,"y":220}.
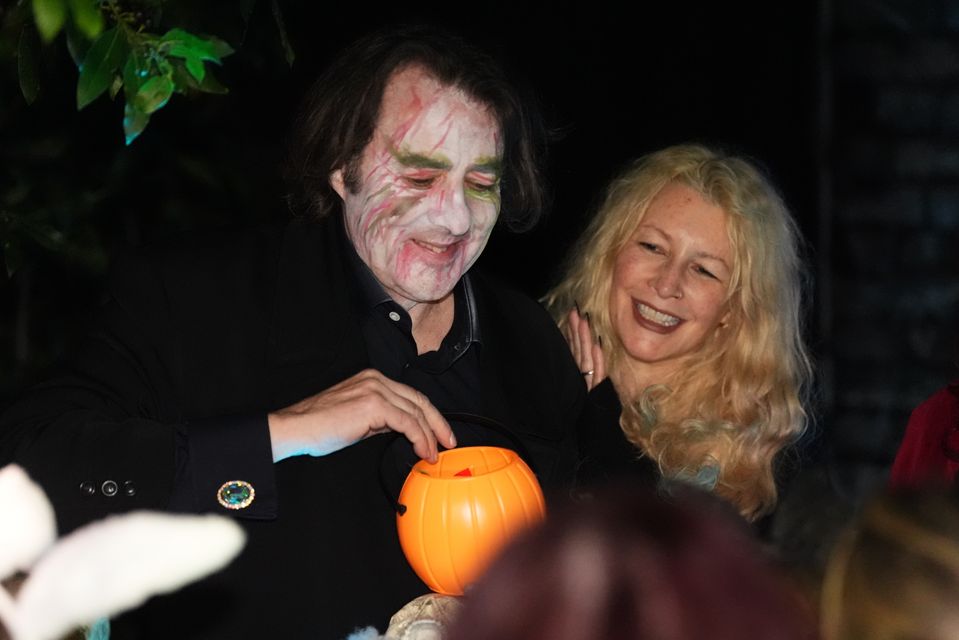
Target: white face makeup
{"x":428,"y":192}
{"x":670,"y":280}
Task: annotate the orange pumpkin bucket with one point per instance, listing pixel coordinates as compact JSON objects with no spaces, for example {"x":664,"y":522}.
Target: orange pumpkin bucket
{"x":457,"y":513}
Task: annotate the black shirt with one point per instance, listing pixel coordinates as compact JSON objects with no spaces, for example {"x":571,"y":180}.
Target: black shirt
{"x":449,"y":376}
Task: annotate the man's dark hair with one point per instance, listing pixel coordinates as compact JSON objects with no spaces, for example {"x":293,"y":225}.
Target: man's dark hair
{"x":340,"y":112}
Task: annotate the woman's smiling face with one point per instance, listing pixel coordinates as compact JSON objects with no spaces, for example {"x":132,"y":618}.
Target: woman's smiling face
{"x":428,"y":188}
{"x":670,"y":281}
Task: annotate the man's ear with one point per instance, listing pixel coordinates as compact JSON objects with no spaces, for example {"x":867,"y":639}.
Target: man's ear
{"x":336,"y":181}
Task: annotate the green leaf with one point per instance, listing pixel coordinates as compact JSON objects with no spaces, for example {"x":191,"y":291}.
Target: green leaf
{"x":183,"y":44}
{"x":154,"y":93}
{"x":134,"y":122}
{"x":27,"y":67}
{"x":77,"y":44}
{"x":135,"y":73}
{"x":186,"y":82}
{"x":87,"y":17}
{"x":49,"y":16}
{"x":284,"y":37}
{"x":100,"y":65}
{"x":211,"y":85}
{"x":115,"y":86}
{"x":221,"y":48}
{"x":196,"y":68}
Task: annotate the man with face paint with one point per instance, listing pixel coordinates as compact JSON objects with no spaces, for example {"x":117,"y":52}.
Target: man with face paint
{"x":291,"y":377}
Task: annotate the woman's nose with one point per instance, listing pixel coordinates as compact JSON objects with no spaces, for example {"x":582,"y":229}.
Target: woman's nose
{"x":667,"y":282}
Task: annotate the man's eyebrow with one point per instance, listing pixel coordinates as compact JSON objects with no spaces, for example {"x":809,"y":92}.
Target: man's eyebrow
{"x":419,"y":161}
{"x":486,"y":164}
{"x":492,"y":165}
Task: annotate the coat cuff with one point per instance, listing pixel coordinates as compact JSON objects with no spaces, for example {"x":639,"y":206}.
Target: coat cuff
{"x":225,"y":465}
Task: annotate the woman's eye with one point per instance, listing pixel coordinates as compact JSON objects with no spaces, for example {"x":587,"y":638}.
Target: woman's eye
{"x":650,"y":246}
{"x":701,"y":270}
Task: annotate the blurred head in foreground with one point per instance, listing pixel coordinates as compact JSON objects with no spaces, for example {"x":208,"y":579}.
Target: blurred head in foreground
{"x":894,"y":575}
{"x":631,"y":564}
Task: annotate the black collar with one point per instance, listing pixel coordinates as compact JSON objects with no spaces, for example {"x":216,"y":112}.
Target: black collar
{"x":370,"y":295}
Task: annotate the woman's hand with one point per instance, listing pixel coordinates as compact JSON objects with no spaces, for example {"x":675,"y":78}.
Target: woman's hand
{"x":587,"y":349}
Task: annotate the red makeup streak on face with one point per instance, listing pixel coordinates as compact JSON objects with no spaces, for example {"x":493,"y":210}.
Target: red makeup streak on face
{"x":382,"y":210}
{"x":381,"y":164}
{"x":404,"y":263}
{"x":448,"y":124}
{"x":413,"y":111}
{"x":413,"y":262}
{"x":443,"y":197}
{"x":375,"y":211}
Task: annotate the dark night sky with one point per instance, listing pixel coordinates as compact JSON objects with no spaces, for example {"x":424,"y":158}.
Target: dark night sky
{"x":615,"y":81}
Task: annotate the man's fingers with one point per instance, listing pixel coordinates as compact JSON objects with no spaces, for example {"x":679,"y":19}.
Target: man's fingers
{"x":424,"y":416}
{"x":436,"y":423}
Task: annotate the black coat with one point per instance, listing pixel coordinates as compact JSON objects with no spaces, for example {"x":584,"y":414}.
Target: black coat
{"x":207,"y":339}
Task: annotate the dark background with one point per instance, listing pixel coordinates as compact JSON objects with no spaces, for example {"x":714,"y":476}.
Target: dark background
{"x":851,"y":105}
{"x":614,"y":82}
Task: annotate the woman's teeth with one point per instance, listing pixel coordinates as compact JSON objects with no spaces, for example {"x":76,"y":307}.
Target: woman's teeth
{"x":657,"y":316}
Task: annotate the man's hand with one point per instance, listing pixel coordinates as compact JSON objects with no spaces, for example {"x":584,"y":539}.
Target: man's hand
{"x":357,"y":408}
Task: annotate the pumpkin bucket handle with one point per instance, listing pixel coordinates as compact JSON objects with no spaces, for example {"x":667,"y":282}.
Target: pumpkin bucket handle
{"x":470,"y":418}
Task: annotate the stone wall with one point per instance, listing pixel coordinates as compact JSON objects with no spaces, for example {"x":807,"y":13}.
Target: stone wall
{"x":889,"y":238}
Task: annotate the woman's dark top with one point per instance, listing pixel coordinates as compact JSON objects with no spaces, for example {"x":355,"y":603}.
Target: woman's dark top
{"x":606,"y":456}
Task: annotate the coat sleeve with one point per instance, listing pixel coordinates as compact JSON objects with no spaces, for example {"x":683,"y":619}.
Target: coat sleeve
{"x":106,"y":433}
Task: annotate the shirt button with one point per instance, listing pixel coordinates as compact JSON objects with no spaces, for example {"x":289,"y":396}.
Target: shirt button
{"x":395,"y":317}
{"x":109,"y":488}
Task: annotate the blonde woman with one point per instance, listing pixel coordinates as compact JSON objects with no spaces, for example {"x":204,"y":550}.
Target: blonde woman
{"x":681,"y":304}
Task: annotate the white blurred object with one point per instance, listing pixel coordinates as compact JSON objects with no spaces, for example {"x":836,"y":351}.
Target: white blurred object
{"x":103,"y":568}
{"x":30,"y":524}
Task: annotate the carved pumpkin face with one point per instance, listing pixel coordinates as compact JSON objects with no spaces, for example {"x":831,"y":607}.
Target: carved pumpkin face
{"x":462,"y":510}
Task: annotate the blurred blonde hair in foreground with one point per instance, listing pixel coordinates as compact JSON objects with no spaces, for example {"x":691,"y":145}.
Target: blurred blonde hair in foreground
{"x":894,"y":574}
{"x":633,"y":565}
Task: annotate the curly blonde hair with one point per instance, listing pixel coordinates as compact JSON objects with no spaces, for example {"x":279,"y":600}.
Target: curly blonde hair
{"x":740,"y":401}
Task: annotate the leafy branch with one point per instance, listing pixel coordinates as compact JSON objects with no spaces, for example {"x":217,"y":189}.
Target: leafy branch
{"x":115,"y":50}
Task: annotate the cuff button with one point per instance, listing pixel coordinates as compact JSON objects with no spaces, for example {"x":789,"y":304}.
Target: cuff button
{"x":235,"y":494}
{"x":109,"y":488}
{"x":129,"y":489}
{"x":87,"y":489}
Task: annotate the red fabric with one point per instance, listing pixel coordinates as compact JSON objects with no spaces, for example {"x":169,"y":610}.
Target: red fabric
{"x":932,"y":436}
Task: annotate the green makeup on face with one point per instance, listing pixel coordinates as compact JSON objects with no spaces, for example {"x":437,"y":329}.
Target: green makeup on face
{"x":486,"y":165}
{"x":490,"y":193}
{"x":419,"y":161}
